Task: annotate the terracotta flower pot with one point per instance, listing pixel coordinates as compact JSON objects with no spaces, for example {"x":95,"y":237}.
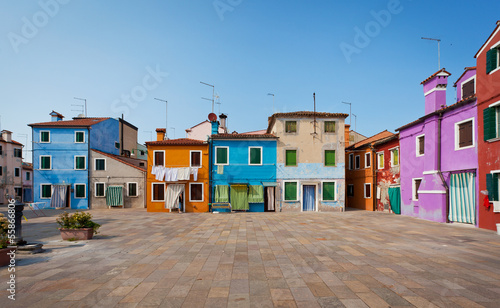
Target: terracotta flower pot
{"x":4,"y":257}
{"x":77,"y":234}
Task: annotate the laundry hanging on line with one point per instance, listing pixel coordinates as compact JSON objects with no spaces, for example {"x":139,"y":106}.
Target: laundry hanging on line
{"x":174,"y":174}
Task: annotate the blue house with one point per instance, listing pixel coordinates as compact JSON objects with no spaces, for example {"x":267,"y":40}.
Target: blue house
{"x":61,"y":151}
{"x":243,"y":170}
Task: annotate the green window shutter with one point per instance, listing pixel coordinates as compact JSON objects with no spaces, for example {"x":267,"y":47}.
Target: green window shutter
{"x":45,"y":163}
{"x":492,"y":186}
{"x":330,"y":158}
{"x":80,"y":191}
{"x":45,"y":136}
{"x":80,"y":163}
{"x":256,"y":194}
{"x":221,"y":193}
{"x":221,"y":156}
{"x":491,"y":60}
{"x":255,"y":154}
{"x":489,"y":121}
{"x":46,"y":191}
{"x":290,"y":191}
{"x":329,"y":191}
{"x":79,"y":136}
{"x":291,"y":158}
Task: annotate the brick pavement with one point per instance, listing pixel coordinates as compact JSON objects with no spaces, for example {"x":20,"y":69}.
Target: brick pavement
{"x":351,"y":259}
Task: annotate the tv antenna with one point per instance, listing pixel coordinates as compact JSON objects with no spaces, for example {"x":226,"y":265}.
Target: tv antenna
{"x":85,"y":100}
{"x":439,"y":51}
{"x":213,"y":94}
{"x":166,"y":117}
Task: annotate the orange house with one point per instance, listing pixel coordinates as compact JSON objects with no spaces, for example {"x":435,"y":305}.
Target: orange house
{"x":177,"y":176}
{"x":361,"y":164}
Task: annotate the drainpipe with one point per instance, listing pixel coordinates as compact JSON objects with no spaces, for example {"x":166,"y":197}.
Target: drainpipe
{"x":121,"y":144}
{"x":210,"y":150}
{"x":88,"y":168}
{"x":440,"y":119}
{"x":374,"y":177}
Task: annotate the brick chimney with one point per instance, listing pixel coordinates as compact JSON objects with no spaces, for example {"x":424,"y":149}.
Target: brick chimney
{"x":160,"y":134}
{"x":6,"y":135}
{"x":56,"y":116}
{"x":215,"y":127}
{"x":435,"y":91}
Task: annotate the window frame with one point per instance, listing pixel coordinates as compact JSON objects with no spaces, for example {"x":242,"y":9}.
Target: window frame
{"x":20,"y":151}
{"x":364,"y":190}
{"x":464,"y":82}
{"x":104,"y":190}
{"x":117,"y":145}
{"x":414,"y":192}
{"x":417,"y":147}
{"x":153,"y":191}
{"x":335,"y":197}
{"x":351,"y":161}
{"x":261,"y":155}
{"x":28,"y":175}
{"x":154,"y":157}
{"x":95,"y":164}
{"x":380,"y":154}
{"x":40,"y":137}
{"x":84,"y":162}
{"x":391,"y":150}
{"x":41,"y":190}
{"x":84,"y":190}
{"x":368,"y":160}
{"x":1,"y":170}
{"x":136,"y":190}
{"x":202,"y":191}
{"x":79,"y":131}
{"x":296,"y":158}
{"x":457,"y":134}
{"x":191,"y":158}
{"x":334,"y":127}
{"x":357,"y":162}
{"x":17,"y":171}
{"x":350,"y":185}
{"x":40,"y":162}
{"x":324,"y":158}
{"x":497,"y":47}
{"x":16,"y":189}
{"x":296,"y":127}
{"x":296,"y":191}
{"x":227,"y":156}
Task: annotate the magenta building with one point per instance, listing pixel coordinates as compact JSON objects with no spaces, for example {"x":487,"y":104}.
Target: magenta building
{"x":439,"y":154}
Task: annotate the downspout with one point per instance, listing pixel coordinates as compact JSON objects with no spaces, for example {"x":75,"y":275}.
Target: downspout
{"x":439,"y":167}
{"x":374,"y":177}
{"x":88,"y":168}
{"x":121,"y":141}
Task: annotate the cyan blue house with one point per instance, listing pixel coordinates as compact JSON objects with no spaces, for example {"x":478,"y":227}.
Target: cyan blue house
{"x":61,"y":151}
{"x":243,"y":170}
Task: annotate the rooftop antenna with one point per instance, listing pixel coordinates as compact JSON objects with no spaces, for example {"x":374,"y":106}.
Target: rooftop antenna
{"x":213,"y":94}
{"x":25,"y":136}
{"x":80,"y":110}
{"x":85,"y":100}
{"x":439,"y":52}
{"x":217,"y":97}
{"x":314,"y":114}
{"x":166,"y":117}
{"x":350,"y":113}
{"x":174,"y":130}
{"x":272,"y":94}
{"x":355,"y":122}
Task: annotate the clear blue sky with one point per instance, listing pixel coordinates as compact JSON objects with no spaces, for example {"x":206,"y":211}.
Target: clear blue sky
{"x":101,"y":50}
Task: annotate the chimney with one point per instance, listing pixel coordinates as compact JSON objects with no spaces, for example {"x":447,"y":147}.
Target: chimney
{"x":215,"y":127}
{"x":346,"y":134}
{"x":160,"y":134}
{"x":223,"y":121}
{"x":56,"y":116}
{"x":7,"y":135}
{"x":435,"y":91}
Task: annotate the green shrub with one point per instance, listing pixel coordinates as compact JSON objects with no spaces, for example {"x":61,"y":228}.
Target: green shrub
{"x":78,"y":220}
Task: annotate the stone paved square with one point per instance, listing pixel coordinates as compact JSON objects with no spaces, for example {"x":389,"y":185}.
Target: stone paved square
{"x":351,"y":259}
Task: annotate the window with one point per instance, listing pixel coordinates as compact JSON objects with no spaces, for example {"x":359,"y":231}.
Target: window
{"x":464,"y":134}
{"x":45,"y":191}
{"x":330,"y":158}
{"x":329,"y":191}
{"x":492,"y":185}
{"x":491,"y":121}
{"x":1,"y":170}
{"x":100,"y":190}
{"x":469,"y":87}
{"x":158,"y":192}
{"x":351,"y":161}
{"x":79,"y":137}
{"x":380,"y":160}
{"x":18,"y":191}
{"x":416,"y":186}
{"x":142,"y":153}
{"x":420,"y":145}
{"x":395,"y":157}
{"x":221,"y":155}
{"x":195,"y":192}
{"x":117,"y":145}
{"x":44,"y":136}
{"x":195,"y":159}
{"x":80,"y":191}
{"x":350,"y":190}
{"x":28,"y":175}
{"x":368,"y":160}
{"x":80,"y":162}
{"x":132,"y":189}
{"x":290,"y":157}
{"x":368,"y":190}
{"x":492,"y":59}
{"x":255,"y":155}
{"x":17,"y":172}
{"x":1,"y":150}
{"x":290,"y":191}
{"x":329,"y":126}
{"x":18,"y":153}
{"x":290,"y":126}
{"x":45,"y":162}
{"x":357,"y":162}
{"x":158,"y":158}
{"x":100,"y":164}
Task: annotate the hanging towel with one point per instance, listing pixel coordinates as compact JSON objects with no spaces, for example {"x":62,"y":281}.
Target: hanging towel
{"x":173,"y":175}
{"x":173,"y":193}
{"x":194,"y":172}
{"x":270,"y":198}
{"x":183,"y":174}
{"x":220,"y":169}
{"x":221,"y":193}
{"x":168,"y":174}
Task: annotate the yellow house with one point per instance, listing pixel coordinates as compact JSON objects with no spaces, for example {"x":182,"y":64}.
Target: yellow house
{"x":177,"y":175}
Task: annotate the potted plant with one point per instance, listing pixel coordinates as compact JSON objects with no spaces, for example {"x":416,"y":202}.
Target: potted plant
{"x":77,"y":226}
{"x":5,"y":248}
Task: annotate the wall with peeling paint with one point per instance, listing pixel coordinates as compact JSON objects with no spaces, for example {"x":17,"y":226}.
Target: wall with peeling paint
{"x":388,"y":176}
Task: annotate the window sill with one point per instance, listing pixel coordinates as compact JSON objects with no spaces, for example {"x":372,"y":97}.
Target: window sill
{"x":493,"y":140}
{"x":495,"y":70}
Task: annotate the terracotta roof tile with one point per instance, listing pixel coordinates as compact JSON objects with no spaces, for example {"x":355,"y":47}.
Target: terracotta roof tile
{"x":180,"y":141}
{"x":387,"y":139}
{"x":77,"y":122}
{"x":435,"y":74}
{"x":119,"y":158}
{"x":57,"y":113}
{"x":161,"y":130}
{"x":244,"y":136}
{"x":368,"y":141}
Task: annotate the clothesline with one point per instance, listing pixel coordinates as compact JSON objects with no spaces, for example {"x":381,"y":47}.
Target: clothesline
{"x":174,"y":174}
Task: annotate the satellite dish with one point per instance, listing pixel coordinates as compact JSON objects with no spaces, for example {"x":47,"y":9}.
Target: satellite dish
{"x":212,"y":117}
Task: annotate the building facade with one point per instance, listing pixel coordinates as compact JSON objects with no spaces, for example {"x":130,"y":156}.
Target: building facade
{"x":177,"y":175}
{"x":11,"y":159}
{"x":27,"y":174}
{"x":488,"y":102}
{"x":439,"y":154}
{"x":310,"y":168}
{"x":387,"y":176}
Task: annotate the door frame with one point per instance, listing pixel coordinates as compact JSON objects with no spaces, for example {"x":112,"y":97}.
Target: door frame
{"x":315,"y":184}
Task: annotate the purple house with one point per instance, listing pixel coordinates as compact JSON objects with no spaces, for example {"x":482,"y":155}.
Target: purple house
{"x":439,"y":154}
